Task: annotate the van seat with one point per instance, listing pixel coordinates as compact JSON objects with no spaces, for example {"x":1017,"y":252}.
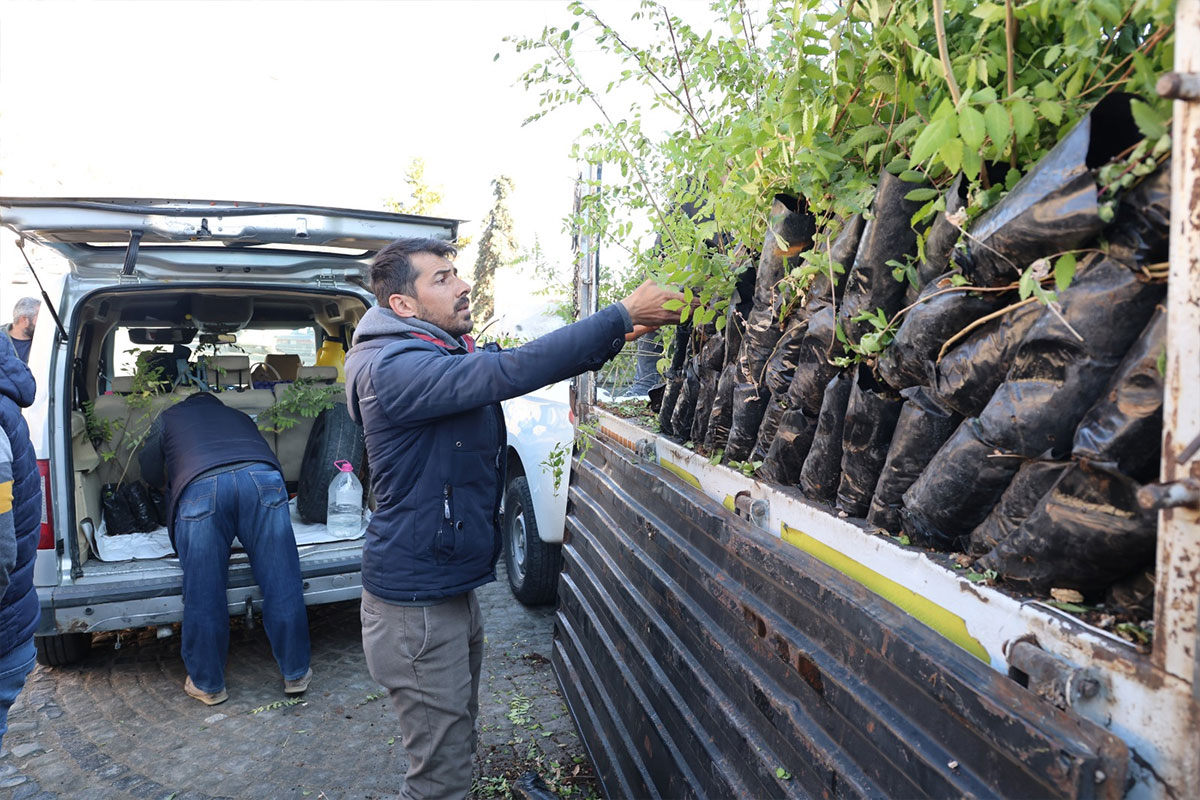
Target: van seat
{"x":122,"y":384}
{"x":286,"y":364}
{"x":318,"y":374}
{"x":228,"y":371}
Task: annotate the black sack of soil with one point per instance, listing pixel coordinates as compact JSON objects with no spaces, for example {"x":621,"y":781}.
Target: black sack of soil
{"x":939,"y":244}
{"x":957,"y":490}
{"x":721,"y":415}
{"x":792,"y":225}
{"x":1022,"y":496}
{"x":704,"y":402}
{"x":119,"y":517}
{"x":776,"y":407}
{"x":923,"y":427}
{"x":823,"y":465}
{"x":680,"y":350}
{"x":1124,"y":428}
{"x":1086,"y":532}
{"x":938,"y":315}
{"x":871,"y":415}
{"x":967,"y":376}
{"x":813,"y":367}
{"x":781,"y":366}
{"x":1055,"y":207}
{"x":1060,"y":371}
{"x":889,"y":236}
{"x":827,"y":289}
{"x":789,"y":447}
{"x":141,"y":506}
{"x":685,"y":405}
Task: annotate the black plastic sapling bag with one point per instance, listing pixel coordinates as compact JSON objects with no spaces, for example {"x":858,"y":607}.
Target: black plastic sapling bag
{"x":1087,"y":532}
{"x":789,"y":448}
{"x":967,"y":376}
{"x":871,"y":415}
{"x":119,"y":518}
{"x":823,"y":465}
{"x":1022,"y":496}
{"x":923,"y":427}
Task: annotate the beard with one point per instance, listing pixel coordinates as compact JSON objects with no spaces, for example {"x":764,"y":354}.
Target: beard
{"x":454,"y":323}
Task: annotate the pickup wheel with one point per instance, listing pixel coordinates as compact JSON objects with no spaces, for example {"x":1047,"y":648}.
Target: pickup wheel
{"x":533,"y":565}
{"x":61,"y":649}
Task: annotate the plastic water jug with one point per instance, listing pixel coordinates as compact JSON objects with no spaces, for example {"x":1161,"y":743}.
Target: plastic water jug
{"x":344,"y":519}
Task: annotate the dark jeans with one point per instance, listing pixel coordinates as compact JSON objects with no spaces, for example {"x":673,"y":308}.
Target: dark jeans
{"x":249,"y":502}
{"x":14,"y":666}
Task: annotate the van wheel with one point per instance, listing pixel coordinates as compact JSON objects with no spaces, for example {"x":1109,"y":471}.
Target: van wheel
{"x":533,"y":565}
{"x":334,"y":437}
{"x":61,"y":649}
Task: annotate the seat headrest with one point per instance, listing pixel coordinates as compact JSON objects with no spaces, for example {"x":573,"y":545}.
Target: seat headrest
{"x":122,"y":384}
{"x":285,"y":364}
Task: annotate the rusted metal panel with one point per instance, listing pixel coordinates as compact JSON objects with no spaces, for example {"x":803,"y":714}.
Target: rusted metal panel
{"x":703,"y":657}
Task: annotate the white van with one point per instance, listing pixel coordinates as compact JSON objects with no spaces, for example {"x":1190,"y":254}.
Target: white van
{"x":252,"y":301}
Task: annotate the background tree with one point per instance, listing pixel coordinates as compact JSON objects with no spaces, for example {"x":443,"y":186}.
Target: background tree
{"x":423,"y":198}
{"x":497,"y":248}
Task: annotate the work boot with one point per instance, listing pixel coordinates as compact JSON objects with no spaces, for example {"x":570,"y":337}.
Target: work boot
{"x":208,"y":698}
{"x":298,"y":686}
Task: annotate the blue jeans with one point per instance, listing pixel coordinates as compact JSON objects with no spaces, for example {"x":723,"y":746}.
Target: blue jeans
{"x":13,"y":669}
{"x":249,"y":502}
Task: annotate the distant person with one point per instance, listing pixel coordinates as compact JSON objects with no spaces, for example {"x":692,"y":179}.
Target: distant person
{"x":20,"y":330}
{"x":223,"y":481}
{"x":429,"y":403}
{"x":20,"y":524}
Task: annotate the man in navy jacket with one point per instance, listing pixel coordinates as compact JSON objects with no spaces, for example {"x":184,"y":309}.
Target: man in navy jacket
{"x":428,"y":402}
{"x":20,"y":522}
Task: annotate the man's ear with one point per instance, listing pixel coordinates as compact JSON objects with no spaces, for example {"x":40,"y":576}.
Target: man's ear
{"x":402,"y":305}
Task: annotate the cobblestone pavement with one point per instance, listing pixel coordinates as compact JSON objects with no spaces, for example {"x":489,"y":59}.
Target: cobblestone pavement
{"x":118,"y":725}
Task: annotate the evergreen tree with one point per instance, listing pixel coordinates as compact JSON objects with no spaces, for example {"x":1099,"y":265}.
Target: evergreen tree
{"x":423,"y":197}
{"x":497,"y":248}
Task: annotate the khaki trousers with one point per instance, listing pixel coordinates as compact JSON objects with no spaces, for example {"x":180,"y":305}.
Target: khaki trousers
{"x":429,"y":658}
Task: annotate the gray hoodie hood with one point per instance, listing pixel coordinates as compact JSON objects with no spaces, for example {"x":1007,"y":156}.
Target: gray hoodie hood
{"x":379,"y":321}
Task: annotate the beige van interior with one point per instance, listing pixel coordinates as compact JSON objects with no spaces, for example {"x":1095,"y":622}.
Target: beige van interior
{"x":248,"y":350}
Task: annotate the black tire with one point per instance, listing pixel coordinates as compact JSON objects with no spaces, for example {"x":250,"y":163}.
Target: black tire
{"x":62,"y":649}
{"x":334,"y":437}
{"x":533,"y":565}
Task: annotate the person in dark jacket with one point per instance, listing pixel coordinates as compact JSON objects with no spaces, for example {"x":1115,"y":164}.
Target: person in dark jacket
{"x":223,"y":481}
{"x":20,"y":524}
{"x":428,"y":402}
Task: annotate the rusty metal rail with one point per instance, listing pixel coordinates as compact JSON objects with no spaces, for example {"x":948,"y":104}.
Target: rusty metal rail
{"x":702,"y":657}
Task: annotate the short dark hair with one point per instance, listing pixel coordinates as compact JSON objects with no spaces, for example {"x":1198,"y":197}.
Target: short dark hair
{"x":392,"y":271}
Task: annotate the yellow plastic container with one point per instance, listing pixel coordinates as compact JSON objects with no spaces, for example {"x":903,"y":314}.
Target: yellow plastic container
{"x":332,"y":355}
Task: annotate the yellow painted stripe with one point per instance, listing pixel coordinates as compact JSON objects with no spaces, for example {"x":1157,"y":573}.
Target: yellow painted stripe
{"x":730,"y":503}
{"x":683,"y":473}
{"x":950,"y":625}
{"x":6,"y":497}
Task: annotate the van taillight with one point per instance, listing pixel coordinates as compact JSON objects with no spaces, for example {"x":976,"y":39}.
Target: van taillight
{"x":46,"y":540}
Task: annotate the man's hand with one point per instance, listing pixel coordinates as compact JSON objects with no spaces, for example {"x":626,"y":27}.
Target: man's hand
{"x":645,"y":306}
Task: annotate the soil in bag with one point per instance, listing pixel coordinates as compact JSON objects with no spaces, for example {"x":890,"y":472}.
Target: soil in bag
{"x":871,"y":415}
{"x":823,"y":464}
{"x":1022,"y":496}
{"x":721,"y":416}
{"x":813,"y":367}
{"x":967,"y":376}
{"x":1141,"y":232}
{"x":826,"y":289}
{"x":1124,"y":428}
{"x":704,"y":402}
{"x":791,"y":224}
{"x":941,"y":311}
{"x":870,"y":285}
{"x":119,"y":517}
{"x":785,"y":458}
{"x":685,"y":403}
{"x":939,"y":244}
{"x":1055,"y":207}
{"x":1066,"y":359}
{"x":923,"y":427}
{"x":957,"y":490}
{"x":680,"y":350}
{"x":1087,"y":532}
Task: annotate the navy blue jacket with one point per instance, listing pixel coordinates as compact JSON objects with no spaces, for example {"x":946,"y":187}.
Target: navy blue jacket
{"x":19,"y":607}
{"x":429,"y":406}
{"x":194,"y":436}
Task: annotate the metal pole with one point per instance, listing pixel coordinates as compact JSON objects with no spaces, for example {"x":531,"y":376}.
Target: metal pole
{"x":1176,"y":647}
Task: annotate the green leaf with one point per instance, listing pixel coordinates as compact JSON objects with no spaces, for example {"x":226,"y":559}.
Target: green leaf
{"x":782,"y":774}
{"x":1148,"y":120}
{"x":912,"y":176}
{"x":933,"y":137}
{"x":673,"y":305}
{"x":1023,"y":118}
{"x":951,"y":154}
{"x":1064,"y":271}
{"x":971,"y":127}
{"x":995,"y":116}
{"x":921,"y":195}
{"x":1051,"y":111}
